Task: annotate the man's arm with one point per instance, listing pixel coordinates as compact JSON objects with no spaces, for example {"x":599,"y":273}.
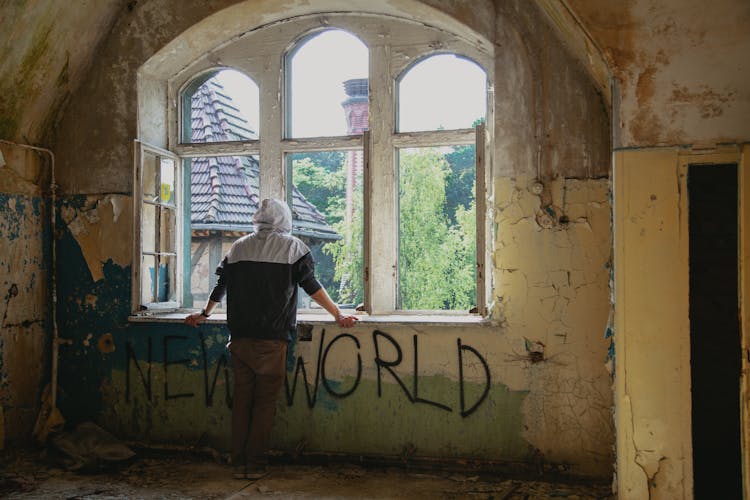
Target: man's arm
{"x":217,"y":294}
{"x":343,"y":320}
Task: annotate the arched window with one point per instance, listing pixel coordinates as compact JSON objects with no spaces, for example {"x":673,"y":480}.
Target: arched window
{"x":220,"y":106}
{"x":437,"y":178}
{"x":327,"y":95}
{"x":442,"y":92}
{"x":367,"y":133}
{"x":326,"y":71}
{"x":223,"y":192}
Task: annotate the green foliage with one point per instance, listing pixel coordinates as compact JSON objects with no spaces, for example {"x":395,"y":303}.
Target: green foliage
{"x":323,"y":186}
{"x":321,"y":178}
{"x":437,"y":227}
{"x":348,"y":255}
{"x":436,"y":256}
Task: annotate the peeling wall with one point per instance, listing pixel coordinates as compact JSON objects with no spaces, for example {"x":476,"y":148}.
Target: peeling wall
{"x":532,"y":390}
{"x":24,"y":259}
{"x":552,"y":267}
{"x":682,"y":68}
{"x":653,"y":330}
{"x":543,"y":363}
{"x":652,"y":393}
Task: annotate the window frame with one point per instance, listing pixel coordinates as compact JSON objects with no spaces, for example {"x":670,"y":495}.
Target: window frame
{"x":141,"y":149}
{"x":262,"y":54}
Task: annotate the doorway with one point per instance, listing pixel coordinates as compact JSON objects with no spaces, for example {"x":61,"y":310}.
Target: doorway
{"x":715,"y":346}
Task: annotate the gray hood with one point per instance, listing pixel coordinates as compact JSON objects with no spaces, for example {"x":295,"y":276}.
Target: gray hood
{"x":273,"y":215}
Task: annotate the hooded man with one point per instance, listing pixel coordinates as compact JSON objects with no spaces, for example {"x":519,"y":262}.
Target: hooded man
{"x":260,"y":276}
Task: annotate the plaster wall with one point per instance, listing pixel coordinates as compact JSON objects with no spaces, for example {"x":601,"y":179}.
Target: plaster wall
{"x":681,"y":67}
{"x":542,"y":363}
{"x":24,"y":259}
{"x":146,"y":38}
{"x":542,"y":359}
{"x":544,"y":97}
{"x":654,"y":440}
{"x":46,"y":48}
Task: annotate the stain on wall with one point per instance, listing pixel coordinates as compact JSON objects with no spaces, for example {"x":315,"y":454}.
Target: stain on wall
{"x":674,"y":89}
{"x":551,"y":118}
{"x":532,"y":387}
{"x":46,"y":48}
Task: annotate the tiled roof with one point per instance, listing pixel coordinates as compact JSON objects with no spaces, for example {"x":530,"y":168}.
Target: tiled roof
{"x":224,"y":189}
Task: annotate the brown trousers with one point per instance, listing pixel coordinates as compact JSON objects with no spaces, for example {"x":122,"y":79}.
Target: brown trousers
{"x":259,"y":367}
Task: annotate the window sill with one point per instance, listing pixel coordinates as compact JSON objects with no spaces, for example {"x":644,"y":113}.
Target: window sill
{"x":325,"y":319}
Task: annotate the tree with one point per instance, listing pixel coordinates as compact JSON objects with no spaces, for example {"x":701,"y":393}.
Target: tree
{"x":436,"y":256}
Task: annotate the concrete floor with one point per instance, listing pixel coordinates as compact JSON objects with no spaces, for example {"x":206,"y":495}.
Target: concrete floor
{"x":29,"y":474}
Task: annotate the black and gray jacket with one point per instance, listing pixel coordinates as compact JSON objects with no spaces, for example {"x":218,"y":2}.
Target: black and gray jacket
{"x":260,"y":275}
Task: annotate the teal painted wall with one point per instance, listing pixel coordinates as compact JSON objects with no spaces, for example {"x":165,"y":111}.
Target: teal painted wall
{"x":169,"y":383}
{"x":24,"y":317}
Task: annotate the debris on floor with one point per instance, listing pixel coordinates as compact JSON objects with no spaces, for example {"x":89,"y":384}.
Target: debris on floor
{"x":28,"y":474}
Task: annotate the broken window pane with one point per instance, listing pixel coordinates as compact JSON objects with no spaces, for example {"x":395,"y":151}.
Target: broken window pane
{"x":327,"y":74}
{"x":220,"y":106}
{"x":327,"y":214}
{"x":442,"y":92}
{"x":437,"y":228}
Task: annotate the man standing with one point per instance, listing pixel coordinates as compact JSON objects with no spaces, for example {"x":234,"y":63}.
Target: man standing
{"x":260,"y":276}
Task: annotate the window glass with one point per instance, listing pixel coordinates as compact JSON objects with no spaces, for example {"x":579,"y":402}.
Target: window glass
{"x":220,"y":106}
{"x":326,"y":201}
{"x":148,"y":227}
{"x":149,"y":178}
{"x":167,"y":178}
{"x":224,"y":196}
{"x":327,"y":83}
{"x":441,"y":92}
{"x":157,"y":279}
{"x":437,"y":228}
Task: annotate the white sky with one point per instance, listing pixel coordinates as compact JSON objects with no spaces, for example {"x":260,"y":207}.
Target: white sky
{"x":441,"y":91}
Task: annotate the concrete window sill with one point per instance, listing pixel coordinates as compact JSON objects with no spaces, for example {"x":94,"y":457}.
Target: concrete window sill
{"x":315,"y":318}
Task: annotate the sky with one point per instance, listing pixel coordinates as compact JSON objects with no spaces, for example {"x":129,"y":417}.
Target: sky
{"x":440,"y":91}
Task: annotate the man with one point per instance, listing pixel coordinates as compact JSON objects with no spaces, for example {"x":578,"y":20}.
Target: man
{"x":260,"y":275}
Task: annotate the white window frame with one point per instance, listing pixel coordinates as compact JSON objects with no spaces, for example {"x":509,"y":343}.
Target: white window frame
{"x":261,"y":54}
{"x":141,"y":149}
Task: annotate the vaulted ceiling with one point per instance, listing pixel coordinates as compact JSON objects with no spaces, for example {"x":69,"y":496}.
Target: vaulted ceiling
{"x":680,"y":66}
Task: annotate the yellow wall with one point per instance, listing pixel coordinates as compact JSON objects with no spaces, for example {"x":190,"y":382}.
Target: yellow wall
{"x":652,"y":390}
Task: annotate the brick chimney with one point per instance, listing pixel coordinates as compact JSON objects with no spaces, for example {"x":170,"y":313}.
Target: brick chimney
{"x":356,"y":108}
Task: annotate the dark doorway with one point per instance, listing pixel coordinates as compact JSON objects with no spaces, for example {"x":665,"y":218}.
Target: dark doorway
{"x":715,"y":347}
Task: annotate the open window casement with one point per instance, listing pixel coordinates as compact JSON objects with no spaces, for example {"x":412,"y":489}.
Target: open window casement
{"x":157,"y":213}
{"x":484,"y":251}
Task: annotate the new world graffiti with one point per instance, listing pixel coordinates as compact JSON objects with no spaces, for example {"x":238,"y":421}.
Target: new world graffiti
{"x":311,"y":380}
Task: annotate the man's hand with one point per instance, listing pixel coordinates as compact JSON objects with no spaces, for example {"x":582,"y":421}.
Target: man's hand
{"x":195,"y":319}
{"x":346,"y":320}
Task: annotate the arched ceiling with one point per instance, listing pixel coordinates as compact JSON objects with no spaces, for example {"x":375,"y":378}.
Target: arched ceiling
{"x":682,"y":65}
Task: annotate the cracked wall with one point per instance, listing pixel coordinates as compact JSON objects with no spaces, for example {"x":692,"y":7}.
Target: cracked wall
{"x":552,"y":267}
{"x":24,"y":246}
{"x":530,"y":389}
{"x":653,"y":388}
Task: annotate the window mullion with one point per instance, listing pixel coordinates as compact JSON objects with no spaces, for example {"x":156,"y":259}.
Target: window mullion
{"x":272,"y":182}
{"x":382,"y":195}
{"x":157,"y":231}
